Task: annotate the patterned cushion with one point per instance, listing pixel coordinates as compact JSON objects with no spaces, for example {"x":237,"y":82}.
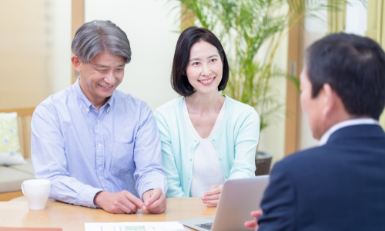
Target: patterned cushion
{"x":9,"y":140}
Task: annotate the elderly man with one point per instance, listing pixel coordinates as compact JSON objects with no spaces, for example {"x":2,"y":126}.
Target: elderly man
{"x":339,"y":185}
{"x":98,"y":146}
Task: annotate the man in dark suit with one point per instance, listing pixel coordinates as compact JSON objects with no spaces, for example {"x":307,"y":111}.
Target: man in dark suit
{"x":339,"y":185}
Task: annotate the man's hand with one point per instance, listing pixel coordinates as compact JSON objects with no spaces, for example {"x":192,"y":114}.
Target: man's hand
{"x":211,"y":197}
{"x":121,"y":202}
{"x":254,"y":223}
{"x":154,"y":201}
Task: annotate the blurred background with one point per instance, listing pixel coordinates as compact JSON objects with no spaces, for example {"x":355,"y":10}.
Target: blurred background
{"x":264,"y":39}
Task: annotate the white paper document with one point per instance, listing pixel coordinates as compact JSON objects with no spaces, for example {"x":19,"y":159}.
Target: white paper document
{"x":134,"y":226}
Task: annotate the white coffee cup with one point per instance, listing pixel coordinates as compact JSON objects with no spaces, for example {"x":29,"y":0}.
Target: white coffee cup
{"x":37,"y":192}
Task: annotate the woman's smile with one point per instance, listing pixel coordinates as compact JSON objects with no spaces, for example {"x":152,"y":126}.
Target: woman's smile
{"x":206,"y":82}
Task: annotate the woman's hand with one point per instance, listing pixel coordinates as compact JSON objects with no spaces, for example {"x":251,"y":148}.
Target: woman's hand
{"x":211,"y":197}
{"x":254,"y":223}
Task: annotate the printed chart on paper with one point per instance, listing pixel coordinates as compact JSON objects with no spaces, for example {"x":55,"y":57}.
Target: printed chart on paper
{"x":134,"y":226}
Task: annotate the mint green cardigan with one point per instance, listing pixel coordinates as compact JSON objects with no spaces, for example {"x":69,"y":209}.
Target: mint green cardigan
{"x":235,"y":142}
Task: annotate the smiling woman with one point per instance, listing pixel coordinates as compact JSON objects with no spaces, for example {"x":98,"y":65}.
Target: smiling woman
{"x":207,"y":137}
{"x":198,"y":50}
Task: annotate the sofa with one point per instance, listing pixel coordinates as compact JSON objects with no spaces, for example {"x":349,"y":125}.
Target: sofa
{"x":12,"y":176}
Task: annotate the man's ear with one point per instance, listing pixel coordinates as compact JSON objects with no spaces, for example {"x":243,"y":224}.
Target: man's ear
{"x":329,"y":99}
{"x":77,"y":63}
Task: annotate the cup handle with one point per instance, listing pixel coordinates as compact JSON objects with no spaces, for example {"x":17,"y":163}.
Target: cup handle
{"x":22,"y":188}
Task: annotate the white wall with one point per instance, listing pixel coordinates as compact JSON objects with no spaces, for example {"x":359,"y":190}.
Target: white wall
{"x":273,"y":137}
{"x":60,"y":45}
{"x":150,"y":26}
{"x":356,"y":18}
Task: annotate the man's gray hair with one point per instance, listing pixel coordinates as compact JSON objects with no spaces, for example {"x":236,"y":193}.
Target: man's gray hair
{"x":98,"y":36}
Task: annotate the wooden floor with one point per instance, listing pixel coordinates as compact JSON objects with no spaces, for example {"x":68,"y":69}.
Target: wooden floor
{"x":10,"y":195}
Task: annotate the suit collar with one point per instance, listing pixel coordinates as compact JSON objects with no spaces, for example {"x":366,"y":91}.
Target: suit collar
{"x":359,"y":131}
{"x":346,"y":123}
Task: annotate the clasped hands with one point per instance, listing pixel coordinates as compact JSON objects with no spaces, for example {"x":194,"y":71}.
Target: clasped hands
{"x":154,"y":201}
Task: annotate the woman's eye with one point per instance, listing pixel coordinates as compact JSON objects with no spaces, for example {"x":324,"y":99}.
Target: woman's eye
{"x":213,"y":60}
{"x":195,"y":63}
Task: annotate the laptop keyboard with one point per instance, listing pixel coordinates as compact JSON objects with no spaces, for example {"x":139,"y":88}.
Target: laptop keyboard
{"x":206,"y":226}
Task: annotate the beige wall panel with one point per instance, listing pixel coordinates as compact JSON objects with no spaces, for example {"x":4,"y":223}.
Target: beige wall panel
{"x":27,"y":136}
{"x":19,"y":99}
{"x":24,"y":52}
{"x":77,"y":21}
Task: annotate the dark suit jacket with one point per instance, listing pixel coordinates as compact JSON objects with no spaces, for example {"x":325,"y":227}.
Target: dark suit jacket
{"x":337,"y":186}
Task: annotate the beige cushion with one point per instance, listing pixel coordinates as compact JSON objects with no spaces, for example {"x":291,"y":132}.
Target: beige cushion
{"x":11,"y":179}
{"x":27,"y":168}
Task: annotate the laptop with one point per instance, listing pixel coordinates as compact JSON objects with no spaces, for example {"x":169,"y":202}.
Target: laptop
{"x":239,"y":197}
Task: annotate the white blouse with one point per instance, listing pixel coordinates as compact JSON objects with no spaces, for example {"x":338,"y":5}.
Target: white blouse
{"x":206,"y":169}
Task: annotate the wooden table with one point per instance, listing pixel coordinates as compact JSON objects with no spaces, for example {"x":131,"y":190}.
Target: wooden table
{"x":72,"y":218}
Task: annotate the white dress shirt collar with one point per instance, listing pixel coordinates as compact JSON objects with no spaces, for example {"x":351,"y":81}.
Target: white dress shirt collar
{"x":325,"y":137}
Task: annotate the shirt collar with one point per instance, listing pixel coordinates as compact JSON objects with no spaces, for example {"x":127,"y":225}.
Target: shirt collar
{"x":86,"y":103}
{"x":109,"y":103}
{"x":325,"y":137}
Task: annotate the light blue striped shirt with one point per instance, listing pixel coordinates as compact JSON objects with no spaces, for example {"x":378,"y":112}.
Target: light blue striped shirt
{"x":83,"y":151}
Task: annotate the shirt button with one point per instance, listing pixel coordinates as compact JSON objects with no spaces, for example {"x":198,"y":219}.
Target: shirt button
{"x":100,"y":144}
{"x":100,"y":168}
{"x":190,"y":159}
{"x":98,"y":121}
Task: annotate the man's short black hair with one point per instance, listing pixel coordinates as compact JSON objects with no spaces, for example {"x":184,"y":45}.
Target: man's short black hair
{"x":187,"y":39}
{"x":354,"y":67}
